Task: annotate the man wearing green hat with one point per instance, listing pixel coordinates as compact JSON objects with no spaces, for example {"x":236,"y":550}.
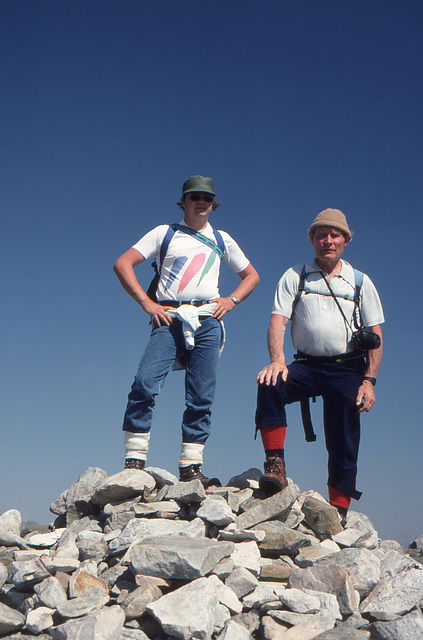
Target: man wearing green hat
{"x":186,"y":314}
{"x":328,"y":303}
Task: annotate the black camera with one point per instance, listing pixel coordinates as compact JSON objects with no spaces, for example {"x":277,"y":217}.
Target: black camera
{"x":364,"y":340}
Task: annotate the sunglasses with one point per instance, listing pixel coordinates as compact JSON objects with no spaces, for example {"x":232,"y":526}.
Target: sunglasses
{"x":195,"y":197}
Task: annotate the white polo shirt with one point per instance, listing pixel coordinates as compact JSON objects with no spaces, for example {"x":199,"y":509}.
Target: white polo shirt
{"x":318,"y":327}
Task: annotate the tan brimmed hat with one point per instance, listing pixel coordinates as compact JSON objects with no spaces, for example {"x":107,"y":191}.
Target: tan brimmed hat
{"x":331,"y":218}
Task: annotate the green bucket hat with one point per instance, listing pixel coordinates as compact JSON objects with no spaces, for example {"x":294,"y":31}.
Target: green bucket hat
{"x":198,"y":183}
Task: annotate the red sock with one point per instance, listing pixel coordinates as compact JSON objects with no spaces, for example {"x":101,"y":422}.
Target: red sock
{"x":273,"y":437}
{"x":338,"y":499}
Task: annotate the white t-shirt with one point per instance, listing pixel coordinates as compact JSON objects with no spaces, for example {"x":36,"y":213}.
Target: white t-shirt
{"x":190,"y":268}
{"x":317,"y":327}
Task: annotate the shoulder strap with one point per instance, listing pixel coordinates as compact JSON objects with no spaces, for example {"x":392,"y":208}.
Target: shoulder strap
{"x":301,"y":284}
{"x":218,"y":247}
{"x":358,"y":278}
{"x":165,"y":244}
{"x":199,"y":236}
{"x":219,"y":240}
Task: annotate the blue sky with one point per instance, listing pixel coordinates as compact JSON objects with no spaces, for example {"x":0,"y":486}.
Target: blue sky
{"x":292,"y":107}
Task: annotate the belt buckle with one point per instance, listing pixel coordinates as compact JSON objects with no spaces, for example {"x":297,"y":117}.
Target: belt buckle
{"x":194,"y":300}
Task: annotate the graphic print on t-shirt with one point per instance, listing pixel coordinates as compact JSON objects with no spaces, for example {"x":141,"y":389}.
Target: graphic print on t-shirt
{"x":208,"y":265}
{"x":176,"y":267}
{"x":192,"y":269}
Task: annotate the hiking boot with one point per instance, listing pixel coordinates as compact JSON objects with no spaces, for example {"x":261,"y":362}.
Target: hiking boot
{"x":193,"y":472}
{"x":134,"y":463}
{"x":274,"y":477}
{"x":343,"y":514}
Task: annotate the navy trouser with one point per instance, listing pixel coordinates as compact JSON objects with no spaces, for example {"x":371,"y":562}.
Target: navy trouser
{"x":338,"y":384}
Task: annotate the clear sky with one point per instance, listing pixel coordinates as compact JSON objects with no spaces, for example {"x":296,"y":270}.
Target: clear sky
{"x":292,"y":107}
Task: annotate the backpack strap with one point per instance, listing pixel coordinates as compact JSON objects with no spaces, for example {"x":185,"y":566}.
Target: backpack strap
{"x":358,"y":279}
{"x":165,"y":244}
{"x":218,"y":248}
{"x":301,"y":286}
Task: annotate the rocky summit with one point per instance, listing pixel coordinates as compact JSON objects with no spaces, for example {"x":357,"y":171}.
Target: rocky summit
{"x":139,"y":555}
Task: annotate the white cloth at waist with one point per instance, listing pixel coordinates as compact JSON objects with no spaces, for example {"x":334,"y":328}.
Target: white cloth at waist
{"x":189,"y":316}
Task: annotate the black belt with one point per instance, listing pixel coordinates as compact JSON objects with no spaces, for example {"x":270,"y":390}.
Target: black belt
{"x":179,"y":303}
{"x":322,"y":359}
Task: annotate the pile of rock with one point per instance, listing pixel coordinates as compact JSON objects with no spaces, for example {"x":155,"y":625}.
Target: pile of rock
{"x":140,"y":555}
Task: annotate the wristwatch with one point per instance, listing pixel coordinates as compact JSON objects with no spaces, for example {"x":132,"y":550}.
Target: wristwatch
{"x":372,"y":380}
{"x":234,"y":299}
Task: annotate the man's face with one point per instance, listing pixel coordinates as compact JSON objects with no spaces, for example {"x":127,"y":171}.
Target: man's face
{"x":329,"y":243}
{"x":197,"y":203}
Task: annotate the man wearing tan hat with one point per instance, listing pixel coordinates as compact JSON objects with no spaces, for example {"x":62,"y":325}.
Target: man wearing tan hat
{"x":186,"y":312}
{"x":335,"y":315}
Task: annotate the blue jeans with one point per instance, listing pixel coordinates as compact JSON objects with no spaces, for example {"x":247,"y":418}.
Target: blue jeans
{"x":200,"y":378}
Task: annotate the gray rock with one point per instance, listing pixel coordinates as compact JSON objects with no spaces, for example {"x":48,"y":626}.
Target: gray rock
{"x":299,"y":602}
{"x":3,"y":574}
{"x":241,"y":581}
{"x":241,"y":535}
{"x":321,"y":517}
{"x":394,"y":596}
{"x":247,"y":480}
{"x":24,"y":575}
{"x":156,"y":508}
{"x":84,"y":605}
{"x":189,"y":612}
{"x":44,"y":540}
{"x":359,"y":521}
{"x":10,"y":620}
{"x":272,"y":629}
{"x":282,"y":540}
{"x":275,"y":570}
{"x":12,"y":521}
{"x":91,"y":544}
{"x":84,"y":582}
{"x":406,"y":628}
{"x":134,"y":603}
{"x":309,"y":555}
{"x":90,"y":523}
{"x":132,"y":634}
{"x":187,"y":492}
{"x":328,"y":578}
{"x":9,"y":538}
{"x":177,"y":557}
{"x":226,"y":596}
{"x":233,"y":496}
{"x":342,"y":633}
{"x":217,"y":511}
{"x":78,"y":496}
{"x":66,"y":546}
{"x":362,"y":566}
{"x":106,"y":624}
{"x":224,"y":568}
{"x":161,"y":476}
{"x":246,"y":555}
{"x":122,"y":486}
{"x":50,"y":593}
{"x":39,"y":620}
{"x":262,"y":595}
{"x":268,"y":509}
{"x":390,"y":545}
{"x":140,"y":528}
{"x":234,"y":631}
